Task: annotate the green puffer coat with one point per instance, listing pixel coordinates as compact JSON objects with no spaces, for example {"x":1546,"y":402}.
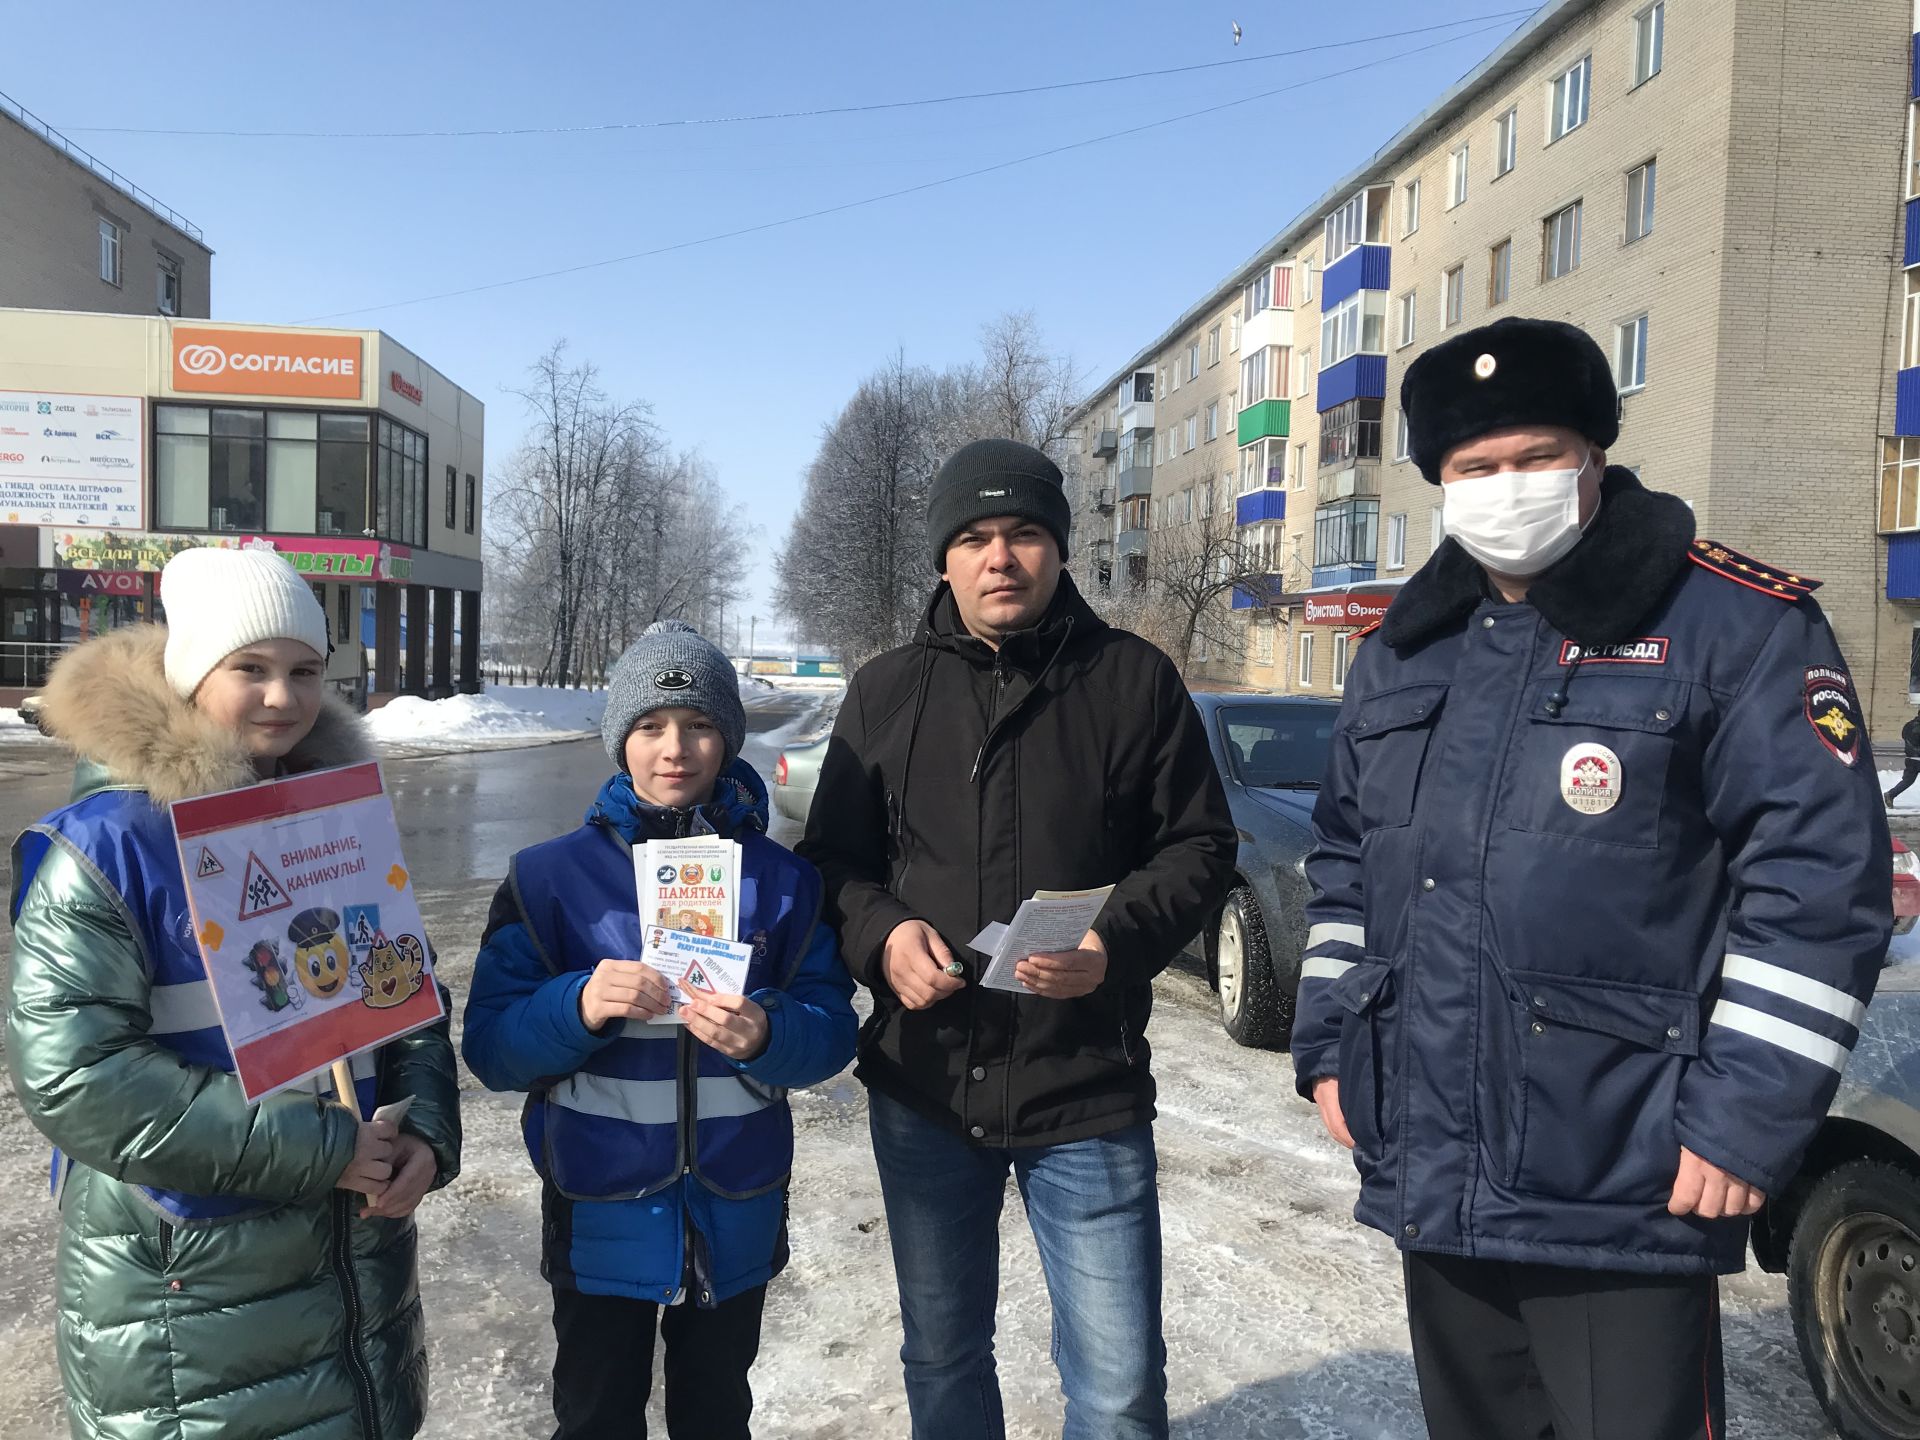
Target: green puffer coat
{"x":303,"y":1321}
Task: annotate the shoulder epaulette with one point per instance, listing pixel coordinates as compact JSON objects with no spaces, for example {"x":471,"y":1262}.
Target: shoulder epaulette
{"x":1754,"y":574}
{"x":1365,"y":631}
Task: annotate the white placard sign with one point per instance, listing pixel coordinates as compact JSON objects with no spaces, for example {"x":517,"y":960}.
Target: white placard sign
{"x":72,"y":459}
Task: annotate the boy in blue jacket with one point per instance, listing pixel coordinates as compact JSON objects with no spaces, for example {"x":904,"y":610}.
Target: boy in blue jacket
{"x":663,"y":1150}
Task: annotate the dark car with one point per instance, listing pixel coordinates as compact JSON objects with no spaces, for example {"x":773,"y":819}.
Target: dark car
{"x":1271,"y":751}
{"x":1847,"y":1230}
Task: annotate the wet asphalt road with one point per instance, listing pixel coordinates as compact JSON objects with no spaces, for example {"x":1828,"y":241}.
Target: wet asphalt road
{"x":461,"y":816}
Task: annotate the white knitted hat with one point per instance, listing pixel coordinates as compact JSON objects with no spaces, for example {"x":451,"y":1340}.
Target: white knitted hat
{"x":220,"y":600}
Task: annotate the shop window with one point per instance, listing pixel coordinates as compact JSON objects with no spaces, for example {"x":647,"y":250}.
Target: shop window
{"x":473,"y":500}
{"x":231,"y":470}
{"x":452,"y":495}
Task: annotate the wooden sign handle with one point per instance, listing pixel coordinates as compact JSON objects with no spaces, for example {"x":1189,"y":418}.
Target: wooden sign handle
{"x":343,"y":1087}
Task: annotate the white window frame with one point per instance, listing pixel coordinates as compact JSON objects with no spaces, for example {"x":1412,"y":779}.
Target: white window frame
{"x":1409,"y":319}
{"x":1453,"y":296}
{"x":1233,"y":333}
{"x":1650,"y":42}
{"x":1402,"y":443}
{"x":1193,"y":432}
{"x":1570,"y":99}
{"x":1458,"y":174}
{"x":1551,"y":245}
{"x":1213,"y":347}
{"x":1499,"y":276}
{"x":1213,"y":421}
{"x":1305,"y":669}
{"x":1303,"y":384}
{"x":1630,"y":355}
{"x":1297,"y":476}
{"x":1262,"y":640}
{"x":1193,"y":361}
{"x":1640,"y":217}
{"x":1910,"y":338}
{"x":1437,"y":527}
{"x":1506,"y":142}
{"x":1410,"y":206}
{"x":110,"y":248}
{"x":1397,"y":537}
{"x":1342,"y":653}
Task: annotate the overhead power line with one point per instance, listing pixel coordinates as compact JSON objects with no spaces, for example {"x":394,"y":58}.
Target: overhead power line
{"x":819,"y":113}
{"x":868,"y":200}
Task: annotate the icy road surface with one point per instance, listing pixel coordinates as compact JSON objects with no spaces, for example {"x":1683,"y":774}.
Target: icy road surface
{"x":1283,"y":1317}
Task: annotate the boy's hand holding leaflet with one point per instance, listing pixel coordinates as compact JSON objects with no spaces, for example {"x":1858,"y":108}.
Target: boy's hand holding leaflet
{"x":621,"y":990}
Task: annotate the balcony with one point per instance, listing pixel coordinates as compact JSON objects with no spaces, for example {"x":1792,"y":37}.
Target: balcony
{"x":1103,"y":499}
{"x":1906,"y":402}
{"x":1903,"y":566}
{"x":1268,"y":419}
{"x":1137,"y":478}
{"x":1365,"y":267}
{"x":1361,"y":480}
{"x":1105,"y":443}
{"x":1272,"y":326}
{"x":1258,"y":593}
{"x":1357,"y":377}
{"x":1132,"y":542}
{"x":1342,"y":574}
{"x":1256,"y":507}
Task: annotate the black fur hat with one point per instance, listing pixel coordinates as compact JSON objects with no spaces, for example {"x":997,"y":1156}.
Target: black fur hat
{"x":1512,"y":372}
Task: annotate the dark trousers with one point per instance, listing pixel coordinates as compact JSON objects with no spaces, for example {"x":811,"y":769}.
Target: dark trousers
{"x":1912,"y":774}
{"x":1538,"y":1352}
{"x":603,"y":1369}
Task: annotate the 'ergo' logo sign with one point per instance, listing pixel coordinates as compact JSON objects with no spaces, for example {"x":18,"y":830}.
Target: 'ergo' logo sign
{"x":267,"y":362}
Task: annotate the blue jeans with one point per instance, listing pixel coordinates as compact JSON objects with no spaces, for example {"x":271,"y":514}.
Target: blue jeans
{"x":1094,"y":1206}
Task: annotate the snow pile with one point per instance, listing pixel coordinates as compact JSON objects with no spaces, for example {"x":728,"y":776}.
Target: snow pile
{"x":504,"y":715}
{"x":12,"y":727}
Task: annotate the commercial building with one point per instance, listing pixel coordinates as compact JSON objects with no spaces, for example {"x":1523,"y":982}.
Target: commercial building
{"x":126,"y":439}
{"x":75,"y":234}
{"x":1685,"y":180}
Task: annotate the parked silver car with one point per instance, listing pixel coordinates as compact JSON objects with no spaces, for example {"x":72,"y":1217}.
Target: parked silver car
{"x":795,"y":777}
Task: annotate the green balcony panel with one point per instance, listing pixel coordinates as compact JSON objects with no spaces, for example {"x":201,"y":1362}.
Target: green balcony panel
{"x":1269,"y":419}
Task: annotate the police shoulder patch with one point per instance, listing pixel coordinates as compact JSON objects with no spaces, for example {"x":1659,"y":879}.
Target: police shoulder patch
{"x":1834,"y":712}
{"x":1730,"y":564}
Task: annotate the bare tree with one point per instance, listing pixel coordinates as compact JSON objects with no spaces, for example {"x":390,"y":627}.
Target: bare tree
{"x":854,"y":571}
{"x":599,"y":530}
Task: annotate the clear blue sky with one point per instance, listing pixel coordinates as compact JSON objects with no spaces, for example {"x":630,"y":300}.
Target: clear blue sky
{"x":745,"y":347}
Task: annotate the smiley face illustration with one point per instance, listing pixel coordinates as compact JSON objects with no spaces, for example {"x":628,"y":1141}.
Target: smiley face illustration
{"x":392,"y":972}
{"x":319,"y":953}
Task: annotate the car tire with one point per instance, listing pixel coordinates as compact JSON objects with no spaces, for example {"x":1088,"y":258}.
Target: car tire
{"x":1853,"y":1281}
{"x":1254,"y":1008}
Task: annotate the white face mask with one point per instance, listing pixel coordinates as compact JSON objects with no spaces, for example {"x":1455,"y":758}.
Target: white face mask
{"x":1517,"y":522}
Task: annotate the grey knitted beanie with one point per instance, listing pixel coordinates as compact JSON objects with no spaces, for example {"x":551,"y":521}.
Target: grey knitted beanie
{"x":672,"y":664}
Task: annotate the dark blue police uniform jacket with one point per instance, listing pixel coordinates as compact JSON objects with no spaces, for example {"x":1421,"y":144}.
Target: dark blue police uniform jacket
{"x":1597,"y":876}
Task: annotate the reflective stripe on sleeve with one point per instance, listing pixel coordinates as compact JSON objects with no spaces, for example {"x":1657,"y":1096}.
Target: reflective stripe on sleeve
{"x":1320,"y":967}
{"x":1330,"y":933}
{"x":1783,"y":1033}
{"x":1794,"y":986}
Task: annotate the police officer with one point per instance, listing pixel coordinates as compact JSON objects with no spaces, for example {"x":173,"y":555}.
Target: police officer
{"x":1601,"y":886}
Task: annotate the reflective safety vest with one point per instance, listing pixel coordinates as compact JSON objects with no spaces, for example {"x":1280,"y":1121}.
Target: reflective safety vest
{"x":653,"y":1103}
{"x":128,"y":841}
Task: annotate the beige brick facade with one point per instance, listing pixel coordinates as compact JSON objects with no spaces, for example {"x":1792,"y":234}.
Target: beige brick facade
{"x":1770,"y":279}
{"x":52,"y":253}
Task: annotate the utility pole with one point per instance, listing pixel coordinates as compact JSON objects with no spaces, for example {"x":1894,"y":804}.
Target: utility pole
{"x":753,"y":626}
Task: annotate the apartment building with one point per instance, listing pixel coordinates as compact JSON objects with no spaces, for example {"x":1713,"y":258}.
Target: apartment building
{"x":1685,"y":180}
{"x":75,"y":234}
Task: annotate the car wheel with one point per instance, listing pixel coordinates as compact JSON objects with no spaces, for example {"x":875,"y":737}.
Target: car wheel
{"x":1253,"y":1007}
{"x":1853,"y":1279}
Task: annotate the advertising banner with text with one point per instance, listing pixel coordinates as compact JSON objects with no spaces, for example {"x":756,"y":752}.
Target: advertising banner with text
{"x":72,"y":459}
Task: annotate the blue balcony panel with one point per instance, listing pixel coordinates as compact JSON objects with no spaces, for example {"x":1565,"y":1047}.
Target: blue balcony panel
{"x":1259,"y":592}
{"x":1258,"y":505}
{"x":1903,"y":566}
{"x":1912,"y":256}
{"x":1355,"y":378}
{"x":1365,"y":267}
{"x":1916,"y":67}
{"x":1341,"y":575}
{"x":1906,"y":402}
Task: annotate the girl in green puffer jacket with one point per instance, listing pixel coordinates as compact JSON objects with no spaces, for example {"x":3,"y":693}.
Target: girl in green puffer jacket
{"x":221,"y":1269}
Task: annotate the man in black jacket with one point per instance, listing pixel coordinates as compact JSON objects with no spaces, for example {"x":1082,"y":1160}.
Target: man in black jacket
{"x":1910,"y":742}
{"x":1018,"y":744}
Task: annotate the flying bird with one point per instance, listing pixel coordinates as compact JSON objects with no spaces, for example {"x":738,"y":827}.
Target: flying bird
{"x":1236,"y":32}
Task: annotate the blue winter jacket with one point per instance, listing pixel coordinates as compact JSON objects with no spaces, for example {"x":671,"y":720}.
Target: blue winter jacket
{"x":1597,"y":876}
{"x":665,"y":1163}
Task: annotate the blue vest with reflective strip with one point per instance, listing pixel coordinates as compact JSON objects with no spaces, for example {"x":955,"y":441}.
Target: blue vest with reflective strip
{"x":128,"y":842}
{"x":655,"y":1103}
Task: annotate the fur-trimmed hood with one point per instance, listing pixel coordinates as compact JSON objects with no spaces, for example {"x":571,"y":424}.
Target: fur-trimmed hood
{"x":109,"y":702}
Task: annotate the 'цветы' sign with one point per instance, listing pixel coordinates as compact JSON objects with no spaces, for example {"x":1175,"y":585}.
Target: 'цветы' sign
{"x":297,"y":363}
{"x":1361,"y":609}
